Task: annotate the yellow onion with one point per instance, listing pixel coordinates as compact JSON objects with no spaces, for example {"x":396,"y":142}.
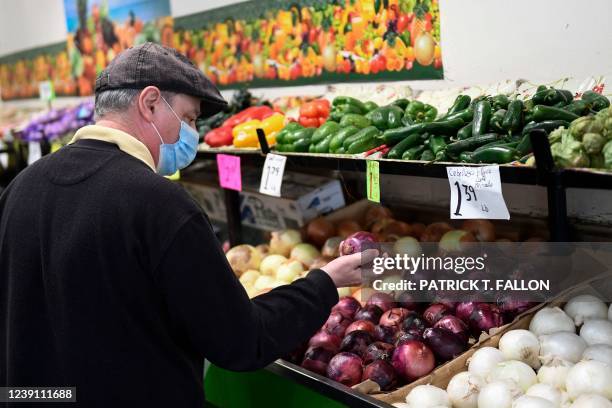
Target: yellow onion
{"x":264,"y":282}
{"x":249,"y":277}
{"x":305,"y":253}
{"x":242,"y":258}
{"x":264,"y":249}
{"x":289,"y":270}
{"x":282,"y":242}
{"x":408,"y":246}
{"x":270,"y":264}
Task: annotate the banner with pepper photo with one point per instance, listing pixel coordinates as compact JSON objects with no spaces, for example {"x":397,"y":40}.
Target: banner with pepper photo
{"x":280,"y":43}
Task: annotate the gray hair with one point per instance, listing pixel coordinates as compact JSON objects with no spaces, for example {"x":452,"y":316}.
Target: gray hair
{"x":119,"y":101}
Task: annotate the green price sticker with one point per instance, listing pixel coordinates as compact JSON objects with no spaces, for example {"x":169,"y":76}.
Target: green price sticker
{"x":373,"y":181}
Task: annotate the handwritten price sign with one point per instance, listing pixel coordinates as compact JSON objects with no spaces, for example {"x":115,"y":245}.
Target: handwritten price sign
{"x":476,"y":193}
{"x":229,"y":172}
{"x":272,"y":175}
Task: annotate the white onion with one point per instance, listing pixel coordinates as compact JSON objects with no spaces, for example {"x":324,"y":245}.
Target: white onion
{"x":597,"y":331}
{"x":527,"y":401}
{"x":564,"y":345}
{"x":591,"y":401}
{"x":514,"y":370}
{"x":428,"y":396}
{"x":598,"y":352}
{"x":521,"y":345}
{"x":589,"y":377}
{"x":554,"y":372}
{"x":463,"y":390}
{"x":546,"y":391}
{"x":498,"y":394}
{"x":269,"y":265}
{"x":551,"y":320}
{"x":484,"y":360}
{"x":584,"y":307}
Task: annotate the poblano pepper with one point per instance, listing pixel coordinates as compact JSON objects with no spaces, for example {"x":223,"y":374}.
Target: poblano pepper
{"x":597,"y":101}
{"x":420,"y":112}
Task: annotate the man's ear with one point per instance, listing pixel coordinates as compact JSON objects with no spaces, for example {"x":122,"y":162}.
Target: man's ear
{"x":148,"y":102}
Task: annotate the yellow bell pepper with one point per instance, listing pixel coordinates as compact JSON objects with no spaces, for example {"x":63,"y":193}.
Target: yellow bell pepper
{"x":245,"y":134}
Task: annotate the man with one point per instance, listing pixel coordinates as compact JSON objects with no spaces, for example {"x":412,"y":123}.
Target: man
{"x":111,"y":279}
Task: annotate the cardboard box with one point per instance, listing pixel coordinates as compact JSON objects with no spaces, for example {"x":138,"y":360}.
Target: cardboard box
{"x":304,"y":197}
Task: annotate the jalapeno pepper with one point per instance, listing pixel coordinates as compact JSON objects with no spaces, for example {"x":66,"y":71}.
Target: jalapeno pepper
{"x":413,"y":152}
{"x":543,"y":112}
{"x":461,"y":102}
{"x":513,"y":120}
{"x":482,"y":116}
{"x":500,"y":101}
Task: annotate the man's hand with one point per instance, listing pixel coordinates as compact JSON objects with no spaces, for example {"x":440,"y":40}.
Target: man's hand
{"x":346,"y":270}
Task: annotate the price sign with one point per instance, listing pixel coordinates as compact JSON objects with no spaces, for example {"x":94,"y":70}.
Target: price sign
{"x":229,"y":172}
{"x":373,"y":180}
{"x":34,"y":152}
{"x":46,"y":91}
{"x":272,"y":175}
{"x":476,"y":193}
{"x":4,"y":157}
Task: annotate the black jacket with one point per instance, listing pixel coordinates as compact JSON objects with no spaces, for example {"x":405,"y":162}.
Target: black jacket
{"x":111,"y":280}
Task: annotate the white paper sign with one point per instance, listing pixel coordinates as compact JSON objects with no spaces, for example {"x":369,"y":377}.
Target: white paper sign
{"x":476,"y":193}
{"x":272,"y":175}
{"x":4,"y":157}
{"x":34,"y":152}
{"x":46,"y":92}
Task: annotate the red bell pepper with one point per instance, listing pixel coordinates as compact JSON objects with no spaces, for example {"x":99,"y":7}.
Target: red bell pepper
{"x":221,"y":136}
{"x":254,"y":112}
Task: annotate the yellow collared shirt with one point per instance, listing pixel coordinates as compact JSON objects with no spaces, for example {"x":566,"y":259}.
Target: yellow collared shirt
{"x":124,"y":141}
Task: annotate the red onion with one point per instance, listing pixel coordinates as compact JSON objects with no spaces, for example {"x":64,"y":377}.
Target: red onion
{"x":415,"y":323}
{"x":394,"y":317}
{"x":336,"y":324}
{"x":316,"y":359}
{"x":382,"y":373}
{"x":371,"y":313}
{"x":406,"y":300}
{"x":484,"y":318}
{"x":296,"y":356}
{"x":445,"y":344}
{"x":356,"y":242}
{"x":386,"y":334}
{"x":346,"y":368}
{"x":435,"y":312}
{"x":455,"y":325}
{"x":378,"y":351}
{"x":356,"y":342}
{"x":413,"y":360}
{"x":449,"y":304}
{"x":405,"y":337}
{"x":513,"y":307}
{"x":382,"y":300}
{"x":347,"y":306}
{"x":325,"y":339}
{"x":364,"y":325}
{"x":464,"y":310}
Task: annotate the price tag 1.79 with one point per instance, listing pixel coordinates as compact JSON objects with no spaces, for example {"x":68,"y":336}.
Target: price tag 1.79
{"x":272,"y":175}
{"x":476,"y":193}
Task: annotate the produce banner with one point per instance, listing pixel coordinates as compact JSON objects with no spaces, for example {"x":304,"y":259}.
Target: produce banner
{"x":280,"y":43}
{"x":97,"y":31}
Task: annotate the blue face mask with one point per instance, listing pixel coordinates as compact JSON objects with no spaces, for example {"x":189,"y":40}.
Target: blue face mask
{"x":176,"y":156}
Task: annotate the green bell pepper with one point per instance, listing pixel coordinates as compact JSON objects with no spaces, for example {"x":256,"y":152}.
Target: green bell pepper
{"x":597,"y":101}
{"x":386,"y":117}
{"x":420,"y":112}
{"x":339,"y":111}
{"x":402,"y":103}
